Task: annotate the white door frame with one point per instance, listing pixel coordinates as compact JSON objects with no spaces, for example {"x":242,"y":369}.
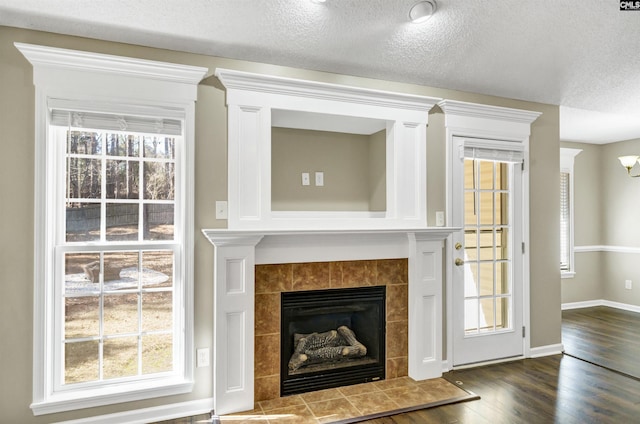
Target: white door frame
{"x":494,"y":123}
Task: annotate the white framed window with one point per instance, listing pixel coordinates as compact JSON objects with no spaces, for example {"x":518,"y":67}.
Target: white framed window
{"x":113,"y":287}
{"x":567,"y":263}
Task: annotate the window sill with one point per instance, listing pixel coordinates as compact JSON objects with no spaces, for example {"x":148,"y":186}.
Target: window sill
{"x":121,"y":393}
{"x":567,"y":274}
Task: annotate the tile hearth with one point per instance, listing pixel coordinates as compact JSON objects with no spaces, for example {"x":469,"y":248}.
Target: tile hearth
{"x":353,"y":403}
{"x":271,"y":280}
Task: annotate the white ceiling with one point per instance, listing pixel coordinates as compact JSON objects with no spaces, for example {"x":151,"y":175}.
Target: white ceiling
{"x":581,"y":54}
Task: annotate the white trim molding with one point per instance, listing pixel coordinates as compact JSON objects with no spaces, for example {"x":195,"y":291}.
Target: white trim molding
{"x":106,"y":82}
{"x":548,"y":350}
{"x":600,"y":302}
{"x":255,"y":102}
{"x":606,"y":248}
{"x":567,"y":160}
{"x":501,"y":129}
{"x":234,"y":294}
{"x":152,"y":414}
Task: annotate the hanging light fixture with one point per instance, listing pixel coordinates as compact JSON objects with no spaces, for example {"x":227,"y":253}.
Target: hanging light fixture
{"x":629,"y":162}
{"x":422,"y":11}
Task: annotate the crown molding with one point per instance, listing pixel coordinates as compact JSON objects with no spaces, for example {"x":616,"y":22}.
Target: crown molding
{"x":246,"y":81}
{"x":475,"y":110}
{"x":52,"y":57}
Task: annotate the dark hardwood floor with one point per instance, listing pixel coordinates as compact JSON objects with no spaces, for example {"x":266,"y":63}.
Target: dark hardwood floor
{"x":604,"y":336}
{"x":554,"y":389}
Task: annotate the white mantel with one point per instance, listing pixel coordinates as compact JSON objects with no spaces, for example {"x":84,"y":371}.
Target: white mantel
{"x":236,"y":252}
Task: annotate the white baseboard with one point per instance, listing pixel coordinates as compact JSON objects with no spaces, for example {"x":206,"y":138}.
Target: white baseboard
{"x":600,"y":302}
{"x":548,"y":350}
{"x":153,"y":414}
{"x":584,"y":304}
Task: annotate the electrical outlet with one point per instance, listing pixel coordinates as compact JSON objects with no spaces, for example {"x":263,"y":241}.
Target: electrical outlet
{"x":305,"y":179}
{"x":628,"y":284}
{"x":202,"y":357}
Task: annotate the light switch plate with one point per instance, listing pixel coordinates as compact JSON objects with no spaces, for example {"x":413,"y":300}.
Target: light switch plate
{"x":439,"y":219}
{"x":221,"y":209}
{"x":202,"y":357}
{"x":305,"y":179}
{"x":319,"y":179}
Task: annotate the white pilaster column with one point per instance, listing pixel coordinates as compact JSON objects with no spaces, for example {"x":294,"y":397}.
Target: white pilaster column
{"x":234,"y":314}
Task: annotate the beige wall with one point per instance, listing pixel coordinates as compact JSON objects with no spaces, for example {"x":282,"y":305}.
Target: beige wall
{"x":16,"y":207}
{"x":345,"y":160}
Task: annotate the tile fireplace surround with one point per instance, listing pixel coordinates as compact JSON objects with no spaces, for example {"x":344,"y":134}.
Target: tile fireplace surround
{"x":251,"y":268}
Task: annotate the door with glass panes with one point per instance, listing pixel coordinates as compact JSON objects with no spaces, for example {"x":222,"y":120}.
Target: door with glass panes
{"x":487,"y":275}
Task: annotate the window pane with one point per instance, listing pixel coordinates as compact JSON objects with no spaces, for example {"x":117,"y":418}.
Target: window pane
{"x":159,"y":221}
{"x":470,"y":244}
{"x":503,"y":312}
{"x":82,"y":222}
{"x":157,"y":268}
{"x":157,"y":353}
{"x":81,"y":362}
{"x":84,"y":143}
{"x":159,"y":147}
{"x":120,"y":357}
{"x":471,"y":316}
{"x":158,"y":180}
{"x":123,"y":179}
{"x":83,"y":178}
{"x":469,"y":174}
{"x":470,"y":208}
{"x":121,"y":270}
{"x":503,"y":280}
{"x":81,"y":317}
{"x":471,"y":280}
{"x":123,"y":145}
{"x":120,"y":314}
{"x":157,"y":311}
{"x":122,"y":221}
{"x":81,"y":272}
{"x":502,"y":243}
{"x":486,"y":245}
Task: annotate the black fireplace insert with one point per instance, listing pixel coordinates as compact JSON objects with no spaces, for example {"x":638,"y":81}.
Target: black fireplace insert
{"x":332,"y":338}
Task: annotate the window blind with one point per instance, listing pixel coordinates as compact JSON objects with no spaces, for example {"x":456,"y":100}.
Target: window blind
{"x":565,"y":222}
{"x":94,"y":115}
{"x":498,"y":151}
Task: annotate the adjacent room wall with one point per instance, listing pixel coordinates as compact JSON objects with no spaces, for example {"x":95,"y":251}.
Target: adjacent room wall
{"x":621,"y":224}
{"x":587,"y":197}
{"x":16,"y":207}
{"x":607,"y":207}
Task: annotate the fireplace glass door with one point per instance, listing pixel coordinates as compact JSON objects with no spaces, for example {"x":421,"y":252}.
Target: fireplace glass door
{"x":332,"y":338}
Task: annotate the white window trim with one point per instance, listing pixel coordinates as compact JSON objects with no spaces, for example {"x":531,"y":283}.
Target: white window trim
{"x":567,"y":159}
{"x":129,"y":85}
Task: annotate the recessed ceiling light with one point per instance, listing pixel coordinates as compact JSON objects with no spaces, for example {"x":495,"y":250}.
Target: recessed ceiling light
{"x":422,"y":11}
{"x":318,"y":1}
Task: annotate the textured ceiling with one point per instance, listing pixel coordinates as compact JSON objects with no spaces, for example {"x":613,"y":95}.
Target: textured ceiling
{"x":583,"y":55}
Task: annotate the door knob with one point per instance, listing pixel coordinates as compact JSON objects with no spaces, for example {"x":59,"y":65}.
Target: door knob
{"x":458,"y":246}
{"x":459,"y":262}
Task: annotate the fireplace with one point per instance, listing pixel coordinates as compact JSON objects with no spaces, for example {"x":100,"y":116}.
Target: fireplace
{"x":332,"y":338}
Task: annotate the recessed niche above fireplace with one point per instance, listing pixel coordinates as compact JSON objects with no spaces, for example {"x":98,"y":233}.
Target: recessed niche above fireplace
{"x":261,"y":105}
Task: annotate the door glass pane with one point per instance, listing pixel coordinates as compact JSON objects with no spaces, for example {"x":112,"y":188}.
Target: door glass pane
{"x":503,"y":278}
{"x":471,"y":279}
{"x":488,"y":250}
{"x":503,"y":312}
{"x":486,"y":279}
{"x":486,"y":175}
{"x":487,"y":314}
{"x":486,"y":208}
{"x":501,"y":210}
{"x":471,"y":316}
{"x":470,"y":243}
